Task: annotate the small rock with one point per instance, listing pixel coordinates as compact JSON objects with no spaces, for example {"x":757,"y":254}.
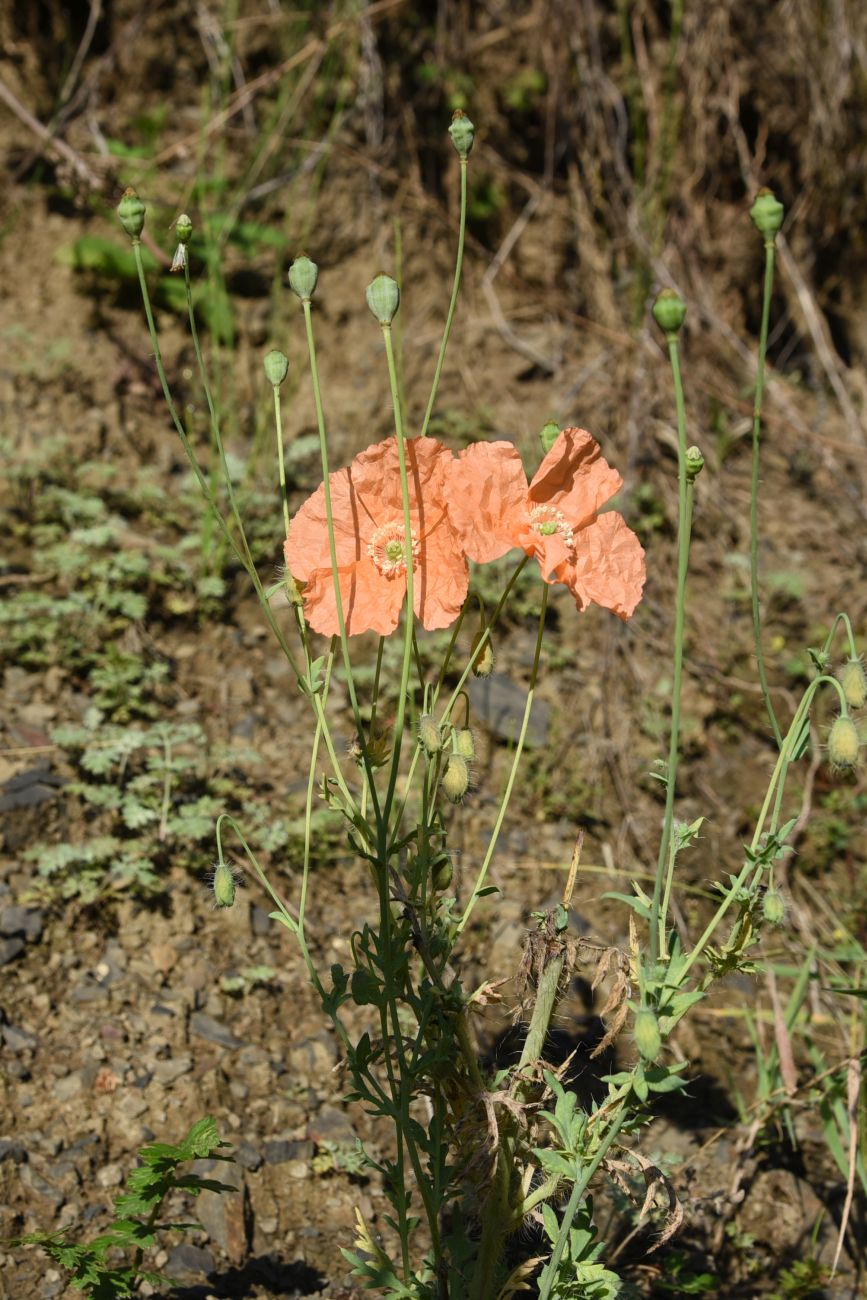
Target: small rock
{"x":499,"y":705}
{"x":187,"y":1258}
{"x":34,"y":1182}
{"x":246,"y":1155}
{"x":279,"y":1151}
{"x":166,"y":1072}
{"x":10,"y":1149}
{"x":88,"y":992}
{"x":10,"y":949}
{"x":224,"y":1216}
{"x":214,"y":1031}
{"x":260,"y":922}
{"x":163,"y":956}
{"x":110,"y":1176}
{"x":331,"y":1125}
{"x":26,"y":921}
{"x":19,"y":1040}
{"x":69,"y":1087}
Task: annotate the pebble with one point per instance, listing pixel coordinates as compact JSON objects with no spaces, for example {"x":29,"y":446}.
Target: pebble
{"x":26,"y":921}
{"x":214,"y":1031}
{"x":499,"y":705}
{"x":11,"y":1149}
{"x":279,"y":1151}
{"x":245,"y":1154}
{"x":166,"y":1072}
{"x":10,"y":949}
{"x":18,"y":1040}
{"x":187,"y":1258}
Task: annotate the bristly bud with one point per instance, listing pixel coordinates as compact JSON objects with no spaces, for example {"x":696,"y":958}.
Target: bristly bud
{"x":184,"y":228}
{"x":303,"y":275}
{"x":646,"y":1033}
{"x":293,"y":595}
{"x":463,"y":132}
{"x":482,"y":658}
{"x":669,"y":311}
{"x":456,"y":778}
{"x":383,"y":298}
{"x":465,"y":745}
{"x":694,"y":463}
{"x":223,"y":885}
{"x":276,"y":365}
{"x":443,"y":874}
{"x":767,"y":213}
{"x":429,"y":735}
{"x":131,"y":214}
{"x":843,"y":743}
{"x":548,"y":435}
{"x":854,"y":682}
{"x":773,"y":907}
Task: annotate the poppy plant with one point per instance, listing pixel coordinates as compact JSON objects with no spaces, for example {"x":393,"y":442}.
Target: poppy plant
{"x":370,"y":542}
{"x":555,"y":518}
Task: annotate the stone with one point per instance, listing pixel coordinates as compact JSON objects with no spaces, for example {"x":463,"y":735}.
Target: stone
{"x":246,"y":1156}
{"x":225,"y":1216}
{"x":110,"y":1176}
{"x":188,"y":1258}
{"x":499,"y":705}
{"x":166,"y":1072}
{"x":11,"y":1149}
{"x":18,"y":1040}
{"x":10,"y":949}
{"x":26,"y":921}
{"x":70,"y":1086}
{"x":331,"y":1125}
{"x":279,"y":1151}
{"x":214,"y":1031}
{"x":260,"y":922}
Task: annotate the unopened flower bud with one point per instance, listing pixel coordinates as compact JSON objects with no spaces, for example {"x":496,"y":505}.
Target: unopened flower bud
{"x":773,"y":907}
{"x":383,"y":298}
{"x":443,"y":874}
{"x":463,"y":132}
{"x":179,"y":261}
{"x":854,"y":683}
{"x":548,"y":435}
{"x":429,"y":735}
{"x":648,"y":1039}
{"x":669,"y":311}
{"x":465,"y":744}
{"x":303,"y":275}
{"x":456,"y":778}
{"x":767,"y":213}
{"x":694,"y":463}
{"x":276,"y":365}
{"x":843,"y":743}
{"x":293,"y":595}
{"x":131,"y":213}
{"x":482,"y":656}
{"x":223,"y":885}
{"x":184,"y":228}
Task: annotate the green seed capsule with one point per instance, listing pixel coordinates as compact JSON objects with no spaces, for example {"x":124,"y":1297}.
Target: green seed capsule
{"x":443,"y":875}
{"x":843,"y":743}
{"x":131,"y":214}
{"x":694,"y":463}
{"x":276,"y":365}
{"x":383,"y":298}
{"x":429,"y":735}
{"x":854,"y":683}
{"x":482,"y":658}
{"x":465,"y":744}
{"x":456,"y":778}
{"x":646,"y":1033}
{"x":548,"y":435}
{"x":773,"y":907}
{"x":303,"y":275}
{"x":767,"y":213}
{"x":223,"y":885}
{"x":462,"y":132}
{"x":669,"y":311}
{"x":184,"y":228}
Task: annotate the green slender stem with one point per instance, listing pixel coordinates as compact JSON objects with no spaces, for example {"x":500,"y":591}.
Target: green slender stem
{"x":850,"y":636}
{"x":684,"y":522}
{"x":281,"y":460}
{"x":519,"y":748}
{"x":308,"y":804}
{"x":453,"y":301}
{"x":754,"y":488}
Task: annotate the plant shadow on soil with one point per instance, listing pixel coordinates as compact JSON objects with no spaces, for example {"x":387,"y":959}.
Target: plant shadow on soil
{"x":281,"y":1279}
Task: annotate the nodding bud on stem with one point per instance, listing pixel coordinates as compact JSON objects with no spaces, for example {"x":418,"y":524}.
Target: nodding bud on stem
{"x":694,"y":463}
{"x":548,"y":435}
{"x":429,"y":735}
{"x":383,"y":298}
{"x":482,"y":655}
{"x":669,"y":311}
{"x":276,"y":365}
{"x":648,"y":1039}
{"x":852,"y":679}
{"x":443,"y":874}
{"x":463,"y":133}
{"x":767,"y":213}
{"x":131,"y":214}
{"x":223,"y":885}
{"x":773,"y":907}
{"x":456,"y":778}
{"x":293,"y":595}
{"x":184,"y":228}
{"x":303,"y":275}
{"x":843,"y":743}
{"x":465,"y":745}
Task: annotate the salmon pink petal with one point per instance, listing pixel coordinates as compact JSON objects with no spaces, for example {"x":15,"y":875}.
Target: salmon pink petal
{"x":371,"y":602}
{"x":575,"y":478}
{"x":376,"y":479}
{"x":550,"y":551}
{"x":306,"y":548}
{"x":440,"y":576}
{"x":488,"y":499}
{"x":608,"y":567}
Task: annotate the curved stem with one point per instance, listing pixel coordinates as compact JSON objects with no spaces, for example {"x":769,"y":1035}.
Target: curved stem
{"x":453,"y":302}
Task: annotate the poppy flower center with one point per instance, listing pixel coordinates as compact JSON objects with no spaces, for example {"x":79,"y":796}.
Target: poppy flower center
{"x":547,"y":520}
{"x":387,"y":549}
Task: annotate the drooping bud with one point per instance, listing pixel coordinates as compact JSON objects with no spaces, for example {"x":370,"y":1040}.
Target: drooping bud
{"x":669,"y":311}
{"x":276,"y":365}
{"x":456,"y":778}
{"x":462,"y":132}
{"x":131,"y":214}
{"x":293,"y":595}
{"x":383,"y":298}
{"x":184,"y":228}
{"x":767,"y":213}
{"x":443,"y":874}
{"x":465,"y":745}
{"x":694,"y":463}
{"x":646,"y":1033}
{"x":482,"y":656}
{"x":303,"y":275}
{"x":843,"y":743}
{"x":223,"y":885}
{"x":773,"y":907}
{"x":548,"y":435}
{"x":854,"y":682}
{"x":429,"y":735}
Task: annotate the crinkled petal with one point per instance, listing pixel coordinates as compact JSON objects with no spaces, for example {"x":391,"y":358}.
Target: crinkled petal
{"x":550,"y":551}
{"x":371,"y":602}
{"x":575,"y":478}
{"x":608,"y":568}
{"x":488,"y":499}
{"x":307,"y":549}
{"x":440,"y":576}
{"x":376,"y":479}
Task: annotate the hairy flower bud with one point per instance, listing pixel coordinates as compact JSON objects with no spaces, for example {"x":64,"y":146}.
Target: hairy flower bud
{"x":548,"y":435}
{"x":462,"y":132}
{"x":293,"y":595}
{"x":669,"y":311}
{"x":843,"y":743}
{"x":184,"y":228}
{"x":694,"y":463}
{"x":303,"y":275}
{"x":773,"y":907}
{"x":131,"y":214}
{"x":767,"y":213}
{"x":456,"y":778}
{"x":223,"y":885}
{"x":443,"y":874}
{"x":854,"y":683}
{"x":383,"y":298}
{"x":482,"y":656}
{"x":648,"y":1039}
{"x":276,"y":365}
{"x":429,"y":735}
{"x":465,"y":745}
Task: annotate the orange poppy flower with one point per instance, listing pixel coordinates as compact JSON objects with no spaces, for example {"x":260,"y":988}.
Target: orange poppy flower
{"x":370,"y":539}
{"x":555,"y":518}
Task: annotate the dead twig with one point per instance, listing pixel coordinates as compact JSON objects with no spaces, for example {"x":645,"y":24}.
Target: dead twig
{"x":51,"y":142}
